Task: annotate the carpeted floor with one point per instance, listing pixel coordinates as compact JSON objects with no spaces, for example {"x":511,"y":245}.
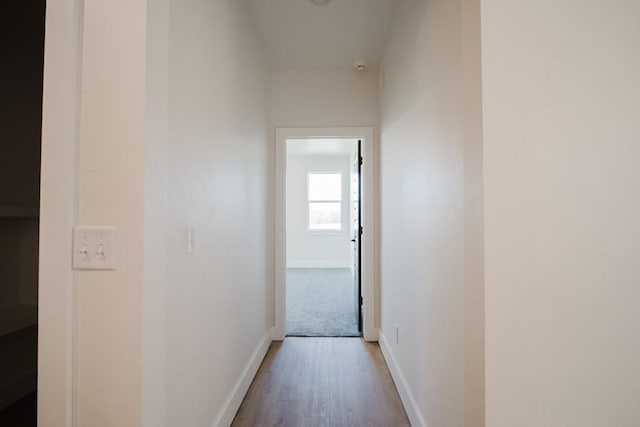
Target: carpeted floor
{"x":321,"y":303}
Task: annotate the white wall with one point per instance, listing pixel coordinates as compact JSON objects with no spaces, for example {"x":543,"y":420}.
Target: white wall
{"x":172,"y":126}
{"x":110,"y":189}
{"x":308,"y":248}
{"x":328,"y":98}
{"x":324,"y":98}
{"x":561,"y":131}
{"x":219,"y":167}
{"x":431,"y":278}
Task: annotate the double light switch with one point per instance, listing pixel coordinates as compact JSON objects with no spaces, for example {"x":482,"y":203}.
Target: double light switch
{"x":94,"y":248}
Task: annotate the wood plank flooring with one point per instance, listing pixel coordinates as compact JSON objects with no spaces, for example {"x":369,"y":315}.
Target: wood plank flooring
{"x":322,"y":382}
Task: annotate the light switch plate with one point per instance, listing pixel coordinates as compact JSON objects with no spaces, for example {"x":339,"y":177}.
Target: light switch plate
{"x":94,"y":248}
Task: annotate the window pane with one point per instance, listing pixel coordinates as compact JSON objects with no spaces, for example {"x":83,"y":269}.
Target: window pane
{"x":325,"y":186}
{"x":324,"y":216}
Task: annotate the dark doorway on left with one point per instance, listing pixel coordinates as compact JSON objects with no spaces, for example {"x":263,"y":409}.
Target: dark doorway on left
{"x":22,"y":26}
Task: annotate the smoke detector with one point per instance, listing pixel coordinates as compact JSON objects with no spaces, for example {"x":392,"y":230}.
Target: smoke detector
{"x":360,"y":65}
{"x":320,"y":2}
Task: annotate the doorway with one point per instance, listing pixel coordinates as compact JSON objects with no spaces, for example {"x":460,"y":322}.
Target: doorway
{"x":324,"y":233}
{"x":21,"y":81}
{"x":323,"y":289}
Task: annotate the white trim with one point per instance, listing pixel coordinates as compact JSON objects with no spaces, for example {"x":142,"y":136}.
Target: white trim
{"x":368,"y":220}
{"x":58,"y":195}
{"x":232,"y":404}
{"x":155,"y":260}
{"x":318,"y":264}
{"x":408,"y":400}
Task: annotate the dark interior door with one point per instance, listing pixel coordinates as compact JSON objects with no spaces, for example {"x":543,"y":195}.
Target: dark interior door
{"x":356,"y":232}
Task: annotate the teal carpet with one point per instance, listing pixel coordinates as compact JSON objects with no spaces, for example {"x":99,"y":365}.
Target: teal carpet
{"x":321,"y":303}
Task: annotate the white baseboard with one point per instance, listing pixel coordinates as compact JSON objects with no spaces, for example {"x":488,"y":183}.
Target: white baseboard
{"x":277,"y":335}
{"x":318,"y":264}
{"x":232,"y":404}
{"x":370,"y":334}
{"x":410,"y":406}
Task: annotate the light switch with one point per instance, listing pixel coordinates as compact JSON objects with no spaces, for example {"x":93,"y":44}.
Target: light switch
{"x":94,"y":248}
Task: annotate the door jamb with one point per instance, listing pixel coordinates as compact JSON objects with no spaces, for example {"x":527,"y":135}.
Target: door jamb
{"x":58,"y":195}
{"x":367,"y":272}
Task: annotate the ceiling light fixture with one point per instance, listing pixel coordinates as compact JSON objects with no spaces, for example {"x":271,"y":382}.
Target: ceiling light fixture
{"x":320,"y":2}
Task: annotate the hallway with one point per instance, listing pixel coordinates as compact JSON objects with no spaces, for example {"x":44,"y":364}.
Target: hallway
{"x":499,"y":232}
{"x":322,"y":382}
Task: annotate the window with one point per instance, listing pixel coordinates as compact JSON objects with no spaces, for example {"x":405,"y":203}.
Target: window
{"x":325,"y":201}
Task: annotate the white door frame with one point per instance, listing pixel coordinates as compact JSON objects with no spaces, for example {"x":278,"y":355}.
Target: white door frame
{"x":56,"y":283}
{"x":368,"y":221}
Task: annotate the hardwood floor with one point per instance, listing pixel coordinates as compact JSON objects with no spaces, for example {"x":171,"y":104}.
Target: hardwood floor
{"x":322,"y":382}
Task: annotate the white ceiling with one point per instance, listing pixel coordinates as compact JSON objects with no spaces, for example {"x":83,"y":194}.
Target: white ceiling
{"x":300,"y":35}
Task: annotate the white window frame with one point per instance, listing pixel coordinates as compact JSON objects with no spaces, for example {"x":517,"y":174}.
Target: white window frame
{"x":309,"y":201}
